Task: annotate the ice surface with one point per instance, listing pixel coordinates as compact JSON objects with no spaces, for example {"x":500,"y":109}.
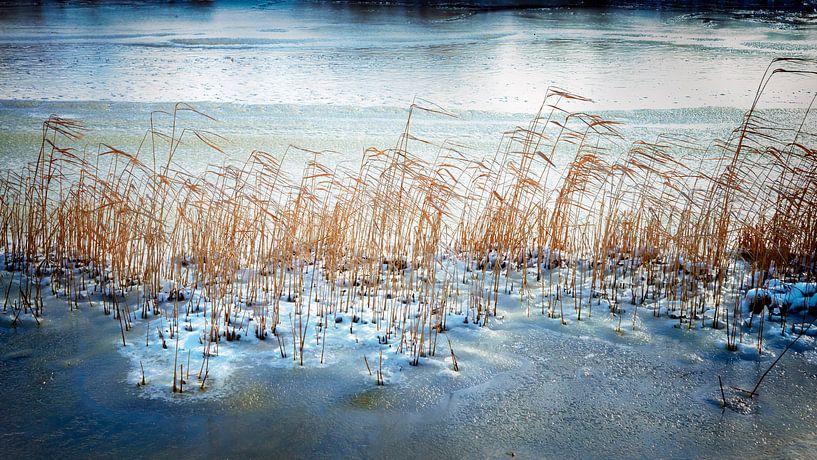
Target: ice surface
{"x":530,"y":385}
{"x":358,"y":56}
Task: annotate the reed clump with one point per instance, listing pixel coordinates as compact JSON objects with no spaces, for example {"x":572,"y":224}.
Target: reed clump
{"x":566,"y":215}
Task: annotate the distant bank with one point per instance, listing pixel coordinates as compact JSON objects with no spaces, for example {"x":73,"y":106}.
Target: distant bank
{"x":696,"y":5}
{"x":807,"y":6}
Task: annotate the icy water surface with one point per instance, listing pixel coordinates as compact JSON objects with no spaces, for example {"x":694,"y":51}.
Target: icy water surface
{"x":527,"y":387}
{"x":364,"y":55}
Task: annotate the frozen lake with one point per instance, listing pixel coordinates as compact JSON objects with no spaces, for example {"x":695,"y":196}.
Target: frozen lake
{"x":340,"y":78}
{"x":359,"y":55}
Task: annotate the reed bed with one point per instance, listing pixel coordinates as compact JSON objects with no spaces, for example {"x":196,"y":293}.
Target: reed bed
{"x":567,"y":216}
